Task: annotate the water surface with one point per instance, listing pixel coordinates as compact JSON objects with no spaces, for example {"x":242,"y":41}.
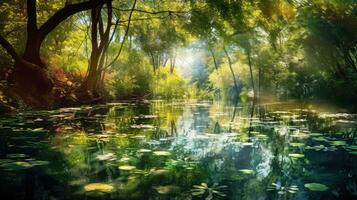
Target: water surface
{"x":173,"y":150}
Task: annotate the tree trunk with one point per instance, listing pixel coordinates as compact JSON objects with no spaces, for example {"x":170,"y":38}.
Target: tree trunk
{"x":90,"y":88}
{"x":231,"y":69}
{"x":30,"y":80}
{"x":251,"y":72}
{"x":213,"y":57}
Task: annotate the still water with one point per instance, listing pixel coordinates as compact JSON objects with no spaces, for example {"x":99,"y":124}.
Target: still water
{"x":173,"y":150}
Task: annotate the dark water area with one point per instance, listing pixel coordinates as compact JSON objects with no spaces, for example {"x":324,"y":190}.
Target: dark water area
{"x":175,"y":150}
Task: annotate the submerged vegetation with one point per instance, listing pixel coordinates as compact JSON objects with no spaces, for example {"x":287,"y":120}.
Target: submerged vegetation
{"x":177,"y":152}
{"x":179,"y":99}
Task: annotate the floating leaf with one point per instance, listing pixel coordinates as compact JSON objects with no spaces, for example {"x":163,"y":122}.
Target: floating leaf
{"x":198,"y":192}
{"x":352,"y":147}
{"x":321,"y":139}
{"x":126,"y":167}
{"x":246,"y":171}
{"x":317,"y":148}
{"x":15,"y":166}
{"x":167,"y":189}
{"x":262,"y":137}
{"x":18,"y":155}
{"x":108,"y":156}
{"x":162,"y":153}
{"x":142,"y":126}
{"x":159,"y":172}
{"x":316,"y":187}
{"x":297,"y":144}
{"x":98,"y":187}
{"x":39,"y":162}
{"x":38,"y":130}
{"x":125,"y":159}
{"x":144,"y":151}
{"x":338,"y":143}
{"x":316,"y":134}
{"x":296,"y":155}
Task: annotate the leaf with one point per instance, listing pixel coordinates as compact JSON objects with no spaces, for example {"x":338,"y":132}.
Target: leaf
{"x":297,"y":144}
{"x":162,"y":153}
{"x":204,"y":185}
{"x":99,"y":187}
{"x":316,"y":187}
{"x":197,"y":193}
{"x":126,"y":167}
{"x":296,"y":155}
{"x":246,"y":171}
{"x":338,"y":143}
{"x":167,"y":189}
{"x":144,"y":151}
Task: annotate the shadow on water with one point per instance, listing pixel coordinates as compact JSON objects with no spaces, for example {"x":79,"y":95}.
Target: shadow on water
{"x":176,"y":150}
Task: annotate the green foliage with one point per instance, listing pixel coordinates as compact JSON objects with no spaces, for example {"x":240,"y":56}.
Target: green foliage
{"x":134,"y":77}
{"x":223,"y":83}
{"x":295,"y":49}
{"x":167,"y":85}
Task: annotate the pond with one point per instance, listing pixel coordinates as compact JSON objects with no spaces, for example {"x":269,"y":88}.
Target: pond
{"x":180,"y":150}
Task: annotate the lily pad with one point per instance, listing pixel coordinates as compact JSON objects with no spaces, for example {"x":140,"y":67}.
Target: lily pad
{"x":17,"y":155}
{"x":246,"y":171}
{"x":98,"y":187}
{"x":125,"y":159}
{"x":338,"y":143}
{"x":15,"y":166}
{"x":316,"y":148}
{"x":352,"y":147}
{"x":126,"y":167}
{"x":2,"y":161}
{"x":321,"y":139}
{"x":262,"y":136}
{"x":316,"y":134}
{"x":316,"y":187}
{"x":108,"y":156}
{"x":162,"y":153}
{"x":39,"y":162}
{"x":296,"y":155}
{"x":144,"y":151}
{"x":297,"y":144}
{"x":167,"y":189}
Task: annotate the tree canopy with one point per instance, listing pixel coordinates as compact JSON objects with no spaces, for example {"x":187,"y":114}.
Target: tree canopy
{"x":74,"y":52}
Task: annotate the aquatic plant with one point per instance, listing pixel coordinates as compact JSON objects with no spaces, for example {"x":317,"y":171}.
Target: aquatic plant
{"x":214,"y":192}
{"x":281,"y":190}
{"x":316,"y":187}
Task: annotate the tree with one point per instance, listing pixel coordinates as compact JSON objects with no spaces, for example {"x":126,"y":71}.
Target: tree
{"x":90,"y":87}
{"x":31,"y":82}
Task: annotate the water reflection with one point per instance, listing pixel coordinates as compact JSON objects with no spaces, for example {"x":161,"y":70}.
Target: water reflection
{"x":176,"y":150}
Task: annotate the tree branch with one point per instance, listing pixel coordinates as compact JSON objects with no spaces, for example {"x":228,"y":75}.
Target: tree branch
{"x":125,"y":36}
{"x":153,"y":12}
{"x":67,"y":11}
{"x":9,"y":48}
{"x":145,"y":18}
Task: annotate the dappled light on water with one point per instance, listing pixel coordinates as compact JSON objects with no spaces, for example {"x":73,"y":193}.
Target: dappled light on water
{"x":177,"y":150}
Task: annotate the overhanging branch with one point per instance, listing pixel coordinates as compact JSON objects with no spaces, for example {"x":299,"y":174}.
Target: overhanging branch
{"x":125,"y":35}
{"x":153,"y":12}
{"x":9,"y":48}
{"x":67,"y":11}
